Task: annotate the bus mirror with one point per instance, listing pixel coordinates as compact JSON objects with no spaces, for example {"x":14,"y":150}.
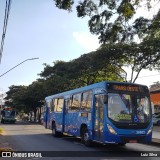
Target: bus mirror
{"x":105,"y":100}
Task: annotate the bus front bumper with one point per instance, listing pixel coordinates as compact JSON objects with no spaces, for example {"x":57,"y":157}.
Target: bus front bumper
{"x":9,"y":120}
{"x":129,"y":138}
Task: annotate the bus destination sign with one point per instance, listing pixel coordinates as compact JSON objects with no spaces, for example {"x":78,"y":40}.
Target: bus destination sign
{"x":126,"y":88}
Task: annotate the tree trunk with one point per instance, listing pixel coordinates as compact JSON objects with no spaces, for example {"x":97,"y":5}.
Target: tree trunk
{"x":35,"y":117}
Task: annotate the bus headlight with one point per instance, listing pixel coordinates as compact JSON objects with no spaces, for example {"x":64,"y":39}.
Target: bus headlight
{"x":111,"y":130}
{"x":150,"y":130}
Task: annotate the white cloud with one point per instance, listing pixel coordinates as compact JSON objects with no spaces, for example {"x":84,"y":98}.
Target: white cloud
{"x":86,"y":40}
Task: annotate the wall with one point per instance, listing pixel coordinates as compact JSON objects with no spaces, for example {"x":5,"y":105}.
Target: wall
{"x":155,"y":98}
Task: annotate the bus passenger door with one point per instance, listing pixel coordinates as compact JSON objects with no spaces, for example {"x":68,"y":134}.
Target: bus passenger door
{"x":66,"y":108}
{"x":99,"y":118}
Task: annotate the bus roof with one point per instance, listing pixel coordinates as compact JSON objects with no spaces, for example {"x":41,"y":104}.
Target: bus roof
{"x":102,"y":84}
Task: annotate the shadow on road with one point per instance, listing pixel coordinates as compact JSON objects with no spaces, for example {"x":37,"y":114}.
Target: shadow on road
{"x":21,"y":123}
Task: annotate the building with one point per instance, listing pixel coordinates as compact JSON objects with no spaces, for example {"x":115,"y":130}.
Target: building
{"x":155,"y":97}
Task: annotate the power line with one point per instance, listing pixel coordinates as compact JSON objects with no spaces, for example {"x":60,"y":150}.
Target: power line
{"x":7,"y":11}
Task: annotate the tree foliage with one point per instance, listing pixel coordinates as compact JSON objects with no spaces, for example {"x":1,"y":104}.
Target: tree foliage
{"x":145,"y":55}
{"x":112,"y":20}
{"x":26,"y":98}
{"x":13,"y":92}
{"x":87,"y":69}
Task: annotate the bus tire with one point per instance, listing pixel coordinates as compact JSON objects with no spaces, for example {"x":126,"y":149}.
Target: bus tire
{"x":85,"y":138}
{"x":55,"y":133}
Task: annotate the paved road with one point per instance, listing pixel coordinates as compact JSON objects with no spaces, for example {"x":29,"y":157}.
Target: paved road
{"x":32,"y":137}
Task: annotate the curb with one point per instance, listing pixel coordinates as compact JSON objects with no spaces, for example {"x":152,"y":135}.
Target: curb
{"x":156,"y":140}
{"x":5,"y":149}
{"x":1,"y":131}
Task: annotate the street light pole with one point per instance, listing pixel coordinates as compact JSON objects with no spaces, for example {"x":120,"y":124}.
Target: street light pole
{"x":18,"y":65}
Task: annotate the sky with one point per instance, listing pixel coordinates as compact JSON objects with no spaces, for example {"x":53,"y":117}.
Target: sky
{"x":36,"y":28}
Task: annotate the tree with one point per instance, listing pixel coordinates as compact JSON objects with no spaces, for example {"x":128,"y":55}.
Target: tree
{"x":11,"y":94}
{"x":34,"y":96}
{"x":153,"y":31}
{"x":87,"y":69}
{"x":111,"y":20}
{"x":145,"y":55}
{"x":27,"y":98}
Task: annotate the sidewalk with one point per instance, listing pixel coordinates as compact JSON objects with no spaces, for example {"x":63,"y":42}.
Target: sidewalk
{"x":156,"y":135}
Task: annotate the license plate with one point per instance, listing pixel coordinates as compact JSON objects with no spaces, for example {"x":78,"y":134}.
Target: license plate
{"x":132,"y":141}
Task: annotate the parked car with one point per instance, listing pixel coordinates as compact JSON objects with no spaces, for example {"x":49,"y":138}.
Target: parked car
{"x":156,"y":119}
{"x":8,"y":114}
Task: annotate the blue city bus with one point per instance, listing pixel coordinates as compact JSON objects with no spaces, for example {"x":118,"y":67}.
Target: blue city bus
{"x":104,"y":112}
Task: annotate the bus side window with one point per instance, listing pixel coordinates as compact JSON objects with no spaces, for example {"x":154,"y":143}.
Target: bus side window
{"x":55,"y":104}
{"x":76,"y":102}
{"x":86,"y":101}
{"x":60,"y":105}
{"x":67,"y":105}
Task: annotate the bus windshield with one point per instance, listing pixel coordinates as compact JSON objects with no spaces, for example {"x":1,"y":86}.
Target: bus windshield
{"x":129,"y":108}
{"x":7,"y":113}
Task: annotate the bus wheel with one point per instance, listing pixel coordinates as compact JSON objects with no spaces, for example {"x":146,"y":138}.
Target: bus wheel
{"x":85,"y":138}
{"x":54,"y":131}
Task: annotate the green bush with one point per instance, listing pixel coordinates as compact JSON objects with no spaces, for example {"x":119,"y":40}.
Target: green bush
{"x":1,"y":130}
